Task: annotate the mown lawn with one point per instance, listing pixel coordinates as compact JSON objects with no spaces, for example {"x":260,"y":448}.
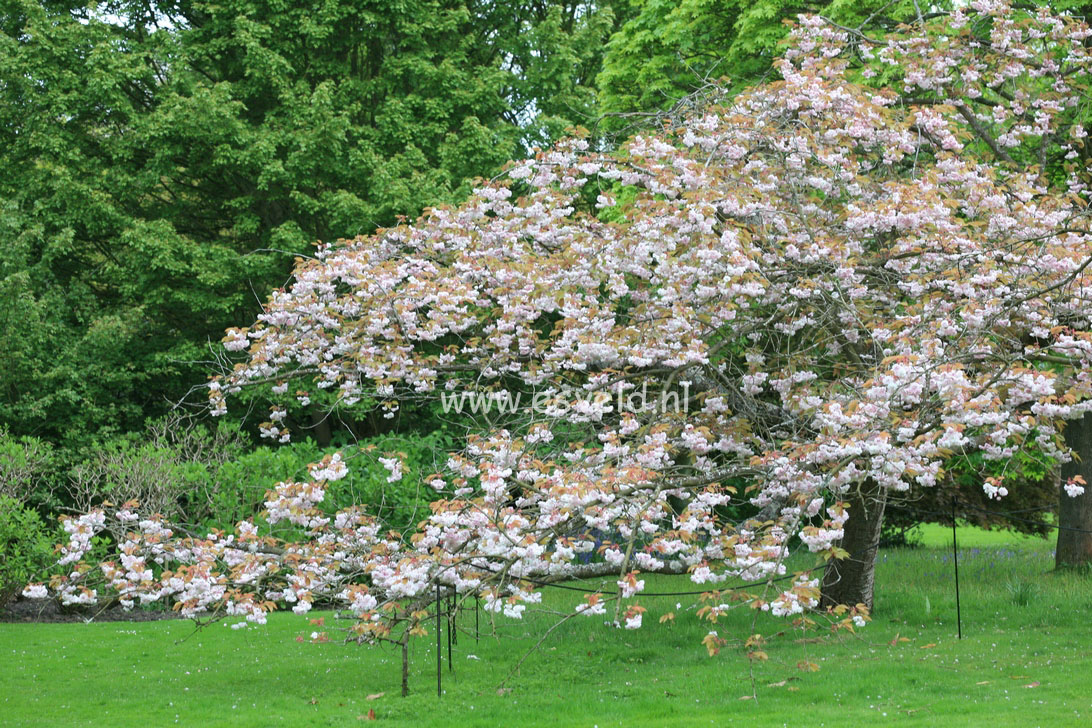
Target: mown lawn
{"x":1024,"y":660}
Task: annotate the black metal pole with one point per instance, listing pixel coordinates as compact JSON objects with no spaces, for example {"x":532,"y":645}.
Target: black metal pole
{"x":439,"y":652}
{"x":454,"y":620}
{"x":477,"y":632}
{"x":955,"y":562}
{"x":449,"y":634}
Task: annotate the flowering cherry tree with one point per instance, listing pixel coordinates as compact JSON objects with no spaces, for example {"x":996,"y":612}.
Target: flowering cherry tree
{"x":806,"y":298}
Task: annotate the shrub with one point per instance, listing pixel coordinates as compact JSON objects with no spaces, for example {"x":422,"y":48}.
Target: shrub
{"x":25,"y":465}
{"x":236,"y":490}
{"x":150,"y":474}
{"x":169,"y":470}
{"x":402,"y":503}
{"x":26,"y":548}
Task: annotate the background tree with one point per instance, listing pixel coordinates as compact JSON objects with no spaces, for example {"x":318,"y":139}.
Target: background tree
{"x":162,"y":162}
{"x":668,"y":50}
{"x":1075,"y":508}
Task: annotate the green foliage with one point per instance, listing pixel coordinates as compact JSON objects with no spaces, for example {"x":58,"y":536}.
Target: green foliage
{"x":26,"y":547}
{"x":403,"y":503}
{"x":671,"y":48}
{"x":1023,"y":592}
{"x":120,"y":471}
{"x":1032,"y":499}
{"x":211,"y":479}
{"x":235,"y":490}
{"x":153,"y":156}
{"x":26,"y":469}
{"x":668,"y":50}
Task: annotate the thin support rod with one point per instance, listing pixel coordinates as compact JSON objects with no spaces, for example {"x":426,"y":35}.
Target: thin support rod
{"x":955,"y":563}
{"x":439,"y":652}
{"x":454,"y":620}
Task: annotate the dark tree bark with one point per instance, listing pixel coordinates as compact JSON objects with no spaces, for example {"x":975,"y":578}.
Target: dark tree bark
{"x":851,"y":580}
{"x":320,"y":427}
{"x":1075,"y":547}
{"x":405,"y":665}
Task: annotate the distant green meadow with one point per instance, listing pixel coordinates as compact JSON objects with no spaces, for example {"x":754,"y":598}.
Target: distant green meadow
{"x":1024,"y":660}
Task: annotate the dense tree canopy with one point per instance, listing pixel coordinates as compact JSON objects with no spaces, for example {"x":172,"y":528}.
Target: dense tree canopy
{"x":670,"y":49}
{"x":153,"y":154}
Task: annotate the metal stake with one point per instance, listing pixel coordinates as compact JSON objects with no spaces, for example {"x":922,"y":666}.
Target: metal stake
{"x":439,"y":653}
{"x":454,"y":620}
{"x":955,"y":562}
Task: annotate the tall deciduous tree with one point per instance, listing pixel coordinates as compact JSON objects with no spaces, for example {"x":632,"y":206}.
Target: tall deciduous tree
{"x":1011,"y":77}
{"x":809,"y":298}
{"x":669,"y":49}
{"x":1075,"y":498}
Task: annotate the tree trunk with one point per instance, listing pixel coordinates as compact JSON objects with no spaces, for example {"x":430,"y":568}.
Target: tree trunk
{"x":850,"y":581}
{"x":405,"y":665}
{"x":320,"y":427}
{"x":1075,"y":547}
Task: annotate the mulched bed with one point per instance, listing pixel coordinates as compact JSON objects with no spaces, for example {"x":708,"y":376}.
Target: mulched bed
{"x":48,"y":610}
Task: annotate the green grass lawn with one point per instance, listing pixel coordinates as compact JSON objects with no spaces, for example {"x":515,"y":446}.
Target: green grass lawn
{"x":1024,"y":660}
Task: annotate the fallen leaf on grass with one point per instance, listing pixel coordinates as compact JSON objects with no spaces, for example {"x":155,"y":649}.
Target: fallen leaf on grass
{"x":369,"y":716}
{"x":782,"y":683}
{"x":984,"y":682}
{"x":746,"y":697}
{"x":929,"y":646}
{"x":375,"y":696}
{"x":1032,"y":684}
